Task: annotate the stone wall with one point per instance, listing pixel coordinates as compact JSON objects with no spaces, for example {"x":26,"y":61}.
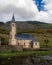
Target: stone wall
{"x":10,"y":48}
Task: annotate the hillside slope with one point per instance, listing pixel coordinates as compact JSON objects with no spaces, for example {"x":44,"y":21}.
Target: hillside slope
{"x":28,"y":26}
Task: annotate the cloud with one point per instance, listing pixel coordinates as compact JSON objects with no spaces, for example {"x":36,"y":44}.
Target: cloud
{"x":25,"y":10}
{"x":45,"y":16}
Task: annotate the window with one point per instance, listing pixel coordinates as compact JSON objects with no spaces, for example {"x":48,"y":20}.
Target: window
{"x":35,"y":43}
{"x":18,"y":43}
{"x":13,"y":25}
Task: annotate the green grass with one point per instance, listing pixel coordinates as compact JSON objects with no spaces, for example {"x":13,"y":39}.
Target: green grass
{"x":40,"y":38}
{"x":27,"y":53}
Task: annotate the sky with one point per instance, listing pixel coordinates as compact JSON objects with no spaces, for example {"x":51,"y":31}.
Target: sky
{"x":26,"y":10}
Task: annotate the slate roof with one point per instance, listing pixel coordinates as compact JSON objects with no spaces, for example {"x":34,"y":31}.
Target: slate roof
{"x":25,"y":37}
{"x":13,"y":18}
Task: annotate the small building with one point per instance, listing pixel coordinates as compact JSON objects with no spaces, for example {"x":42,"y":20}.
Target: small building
{"x":24,"y":40}
{"x":27,"y":41}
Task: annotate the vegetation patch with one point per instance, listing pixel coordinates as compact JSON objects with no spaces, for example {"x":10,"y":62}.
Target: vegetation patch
{"x":27,"y":53}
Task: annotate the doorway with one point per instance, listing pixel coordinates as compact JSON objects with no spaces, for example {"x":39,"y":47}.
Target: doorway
{"x":31,"y":44}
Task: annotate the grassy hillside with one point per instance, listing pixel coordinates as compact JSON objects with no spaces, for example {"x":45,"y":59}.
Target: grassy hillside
{"x":41,"y":38}
{"x":29,"y":26}
{"x":35,"y":28}
{"x":41,"y":24}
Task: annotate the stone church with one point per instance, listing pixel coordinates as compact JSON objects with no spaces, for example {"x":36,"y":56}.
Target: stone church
{"x":24,"y":40}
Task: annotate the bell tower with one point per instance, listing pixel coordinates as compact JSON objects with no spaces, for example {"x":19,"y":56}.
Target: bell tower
{"x":12,"y":36}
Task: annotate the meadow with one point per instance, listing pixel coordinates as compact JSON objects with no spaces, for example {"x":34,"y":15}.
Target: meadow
{"x":41,"y":38}
{"x":37,"y":29}
{"x":25,"y":53}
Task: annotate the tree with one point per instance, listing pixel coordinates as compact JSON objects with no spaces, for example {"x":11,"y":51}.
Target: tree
{"x":49,"y":31}
{"x":46,"y":40}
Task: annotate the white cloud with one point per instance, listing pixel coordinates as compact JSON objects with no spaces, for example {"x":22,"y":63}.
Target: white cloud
{"x":25,"y":10}
{"x":45,"y":16}
{"x":42,"y":16}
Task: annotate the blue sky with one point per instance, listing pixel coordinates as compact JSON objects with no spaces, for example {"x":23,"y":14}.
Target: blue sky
{"x":40,"y":4}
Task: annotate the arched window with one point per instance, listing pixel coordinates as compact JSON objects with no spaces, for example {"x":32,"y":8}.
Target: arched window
{"x":18,"y":44}
{"x":35,"y":43}
{"x":13,"y":25}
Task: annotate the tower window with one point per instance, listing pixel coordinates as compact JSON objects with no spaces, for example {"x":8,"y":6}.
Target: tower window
{"x":13,"y":25}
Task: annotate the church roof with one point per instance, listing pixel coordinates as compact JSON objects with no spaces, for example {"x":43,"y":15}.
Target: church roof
{"x":13,"y":18}
{"x":25,"y":37}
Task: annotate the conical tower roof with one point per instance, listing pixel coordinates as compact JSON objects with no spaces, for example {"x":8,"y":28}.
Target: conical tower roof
{"x":13,"y":18}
